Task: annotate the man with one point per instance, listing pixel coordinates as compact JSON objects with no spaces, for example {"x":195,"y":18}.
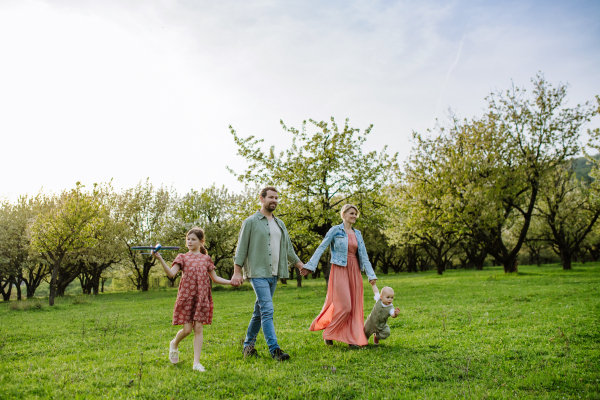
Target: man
{"x":263,"y":251}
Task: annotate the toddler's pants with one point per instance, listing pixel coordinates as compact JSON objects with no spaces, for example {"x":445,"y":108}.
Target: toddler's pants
{"x":381,"y":334}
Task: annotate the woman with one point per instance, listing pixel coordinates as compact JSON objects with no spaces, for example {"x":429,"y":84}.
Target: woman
{"x":342,"y":316}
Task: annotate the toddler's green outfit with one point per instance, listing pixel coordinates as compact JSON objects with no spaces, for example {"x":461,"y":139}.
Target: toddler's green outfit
{"x":377,"y":321}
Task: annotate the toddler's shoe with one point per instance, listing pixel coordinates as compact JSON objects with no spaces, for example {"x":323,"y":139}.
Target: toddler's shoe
{"x":199,"y":367}
{"x":375,"y":340}
{"x":173,"y":353}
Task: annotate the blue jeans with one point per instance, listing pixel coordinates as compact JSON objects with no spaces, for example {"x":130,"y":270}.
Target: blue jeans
{"x":263,"y":312}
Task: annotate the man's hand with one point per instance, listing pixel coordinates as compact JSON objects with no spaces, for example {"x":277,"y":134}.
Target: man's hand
{"x":303,"y":271}
{"x":237,"y":279}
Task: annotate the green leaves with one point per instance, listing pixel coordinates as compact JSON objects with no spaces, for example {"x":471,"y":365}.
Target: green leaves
{"x":67,"y":222}
{"x":322,"y":170}
{"x":481,"y":178}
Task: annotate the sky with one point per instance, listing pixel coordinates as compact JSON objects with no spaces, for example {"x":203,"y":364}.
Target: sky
{"x":125,"y":90}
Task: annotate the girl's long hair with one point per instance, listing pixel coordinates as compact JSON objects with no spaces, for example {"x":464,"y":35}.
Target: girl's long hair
{"x":199,"y":232}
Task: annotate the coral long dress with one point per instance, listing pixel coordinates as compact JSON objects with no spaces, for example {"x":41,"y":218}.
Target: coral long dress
{"x":342,"y":316}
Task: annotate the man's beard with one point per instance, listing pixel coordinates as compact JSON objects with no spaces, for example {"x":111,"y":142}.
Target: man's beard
{"x":272,"y":206}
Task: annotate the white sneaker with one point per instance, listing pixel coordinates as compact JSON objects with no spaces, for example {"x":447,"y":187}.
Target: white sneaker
{"x":199,"y":367}
{"x":173,"y":353}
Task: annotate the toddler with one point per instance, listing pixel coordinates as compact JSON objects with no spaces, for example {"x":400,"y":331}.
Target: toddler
{"x":383,"y":309}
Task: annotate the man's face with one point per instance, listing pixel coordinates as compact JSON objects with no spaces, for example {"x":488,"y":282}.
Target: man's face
{"x":387,"y":297}
{"x":270,"y":202}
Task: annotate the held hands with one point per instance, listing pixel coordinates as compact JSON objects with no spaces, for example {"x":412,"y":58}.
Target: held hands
{"x":373,"y":283}
{"x":303,"y":271}
{"x":236,"y":279}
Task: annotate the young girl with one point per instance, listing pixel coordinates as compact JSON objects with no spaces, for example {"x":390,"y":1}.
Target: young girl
{"x":194,"y":305}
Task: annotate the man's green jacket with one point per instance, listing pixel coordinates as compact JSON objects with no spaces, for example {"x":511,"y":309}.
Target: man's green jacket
{"x":253,"y":252}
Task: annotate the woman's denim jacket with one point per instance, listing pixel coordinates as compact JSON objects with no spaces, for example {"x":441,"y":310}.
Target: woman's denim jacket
{"x":337,"y":240}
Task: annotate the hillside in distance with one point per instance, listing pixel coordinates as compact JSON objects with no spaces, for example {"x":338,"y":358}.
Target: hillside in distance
{"x":583,"y":167}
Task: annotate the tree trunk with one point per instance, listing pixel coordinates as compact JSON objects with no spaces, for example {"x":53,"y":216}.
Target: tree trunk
{"x":479,"y":260}
{"x":145,"y":284}
{"x":34,"y":279}
{"x":53,"y":279}
{"x":18,"y":286}
{"x":30,"y":290}
{"x":412,"y":260}
{"x":299,"y":280}
{"x":145,"y":275}
{"x":63,"y":282}
{"x":440,"y":263}
{"x":565,"y":259}
{"x":96,"y":285}
{"x":103,"y":280}
{"x":511,"y":266}
{"x":6,"y":294}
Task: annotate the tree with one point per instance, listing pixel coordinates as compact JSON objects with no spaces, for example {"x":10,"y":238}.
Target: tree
{"x":66,"y":223}
{"x":569,"y":211}
{"x":216,"y":210}
{"x":148,"y":217}
{"x":535,"y":242}
{"x":319,"y":173}
{"x":493,"y":166}
{"x":20,"y":263}
{"x":417,"y":216}
{"x":94,"y":261}
{"x":28,"y":266}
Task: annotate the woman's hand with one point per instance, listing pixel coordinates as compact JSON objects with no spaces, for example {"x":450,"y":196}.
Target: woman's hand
{"x":156,"y":254}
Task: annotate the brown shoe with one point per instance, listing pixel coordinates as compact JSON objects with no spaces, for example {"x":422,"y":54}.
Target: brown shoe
{"x":250,"y":351}
{"x":279,"y":355}
{"x":354,"y":346}
{"x":329,"y":342}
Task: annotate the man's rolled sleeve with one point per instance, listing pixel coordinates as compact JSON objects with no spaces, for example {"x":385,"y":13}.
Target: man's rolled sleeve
{"x":241,"y":251}
{"x":291,"y":255}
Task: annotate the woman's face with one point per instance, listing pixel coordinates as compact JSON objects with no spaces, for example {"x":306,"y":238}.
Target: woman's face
{"x":350,"y":216}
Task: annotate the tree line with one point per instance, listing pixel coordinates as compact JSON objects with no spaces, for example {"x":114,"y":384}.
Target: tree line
{"x":499,"y":186}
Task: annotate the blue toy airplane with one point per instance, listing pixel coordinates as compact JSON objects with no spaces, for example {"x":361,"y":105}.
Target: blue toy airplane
{"x":154,"y":249}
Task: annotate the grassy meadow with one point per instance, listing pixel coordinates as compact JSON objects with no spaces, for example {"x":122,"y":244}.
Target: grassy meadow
{"x":466,"y":334}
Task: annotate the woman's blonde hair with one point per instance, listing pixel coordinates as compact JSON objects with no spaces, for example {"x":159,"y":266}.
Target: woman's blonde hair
{"x":346,"y":208}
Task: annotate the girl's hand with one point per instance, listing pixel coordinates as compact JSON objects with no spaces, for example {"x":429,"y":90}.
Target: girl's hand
{"x":373,"y":282}
{"x":157,"y":255}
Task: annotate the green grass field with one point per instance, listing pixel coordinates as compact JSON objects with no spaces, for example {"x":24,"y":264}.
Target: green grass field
{"x":466,"y":334}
